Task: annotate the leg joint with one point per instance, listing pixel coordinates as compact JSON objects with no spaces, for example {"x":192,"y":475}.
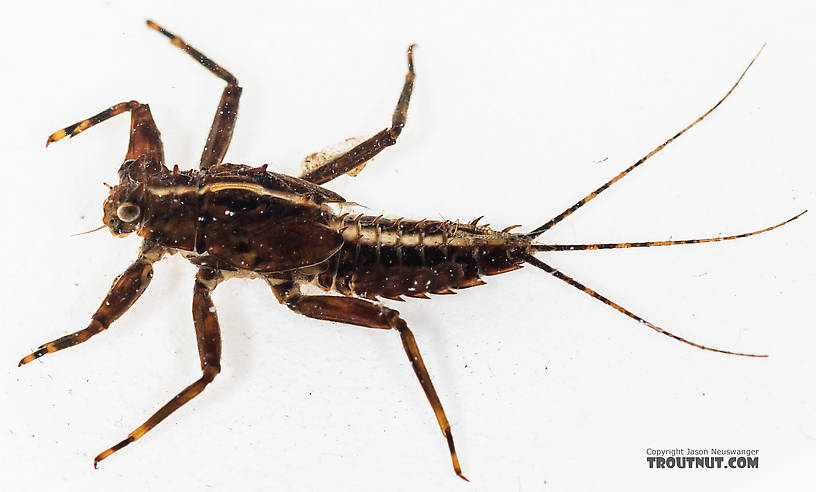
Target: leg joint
{"x":392,"y":317}
{"x":394,"y":132}
{"x":98,"y":323}
{"x":210,"y":371}
{"x":209,"y":278}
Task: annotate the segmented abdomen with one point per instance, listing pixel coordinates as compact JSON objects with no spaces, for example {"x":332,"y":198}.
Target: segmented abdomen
{"x":391,"y":258}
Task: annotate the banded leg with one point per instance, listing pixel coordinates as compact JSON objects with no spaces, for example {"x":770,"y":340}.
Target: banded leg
{"x":126,"y":288}
{"x":360,"y":312}
{"x":224,"y":121}
{"x":586,"y":290}
{"x":584,"y":247}
{"x":366,"y":150}
{"x":558,"y":218}
{"x":145,"y":139}
{"x":208,"y":336}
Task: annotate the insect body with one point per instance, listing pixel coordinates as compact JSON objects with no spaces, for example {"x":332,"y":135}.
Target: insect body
{"x":233,"y":220}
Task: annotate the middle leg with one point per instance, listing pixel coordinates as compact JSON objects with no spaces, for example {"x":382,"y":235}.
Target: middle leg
{"x":224,"y":121}
{"x":360,"y":312}
{"x":208,"y":336}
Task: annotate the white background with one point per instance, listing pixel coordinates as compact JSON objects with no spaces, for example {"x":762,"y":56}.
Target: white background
{"x":514,"y":105}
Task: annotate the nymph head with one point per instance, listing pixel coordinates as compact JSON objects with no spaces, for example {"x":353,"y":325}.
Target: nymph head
{"x":124,"y":207}
{"x":123,"y":210}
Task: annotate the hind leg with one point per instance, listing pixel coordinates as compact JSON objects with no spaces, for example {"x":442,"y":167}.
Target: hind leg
{"x":365,"y":151}
{"x":360,"y":312}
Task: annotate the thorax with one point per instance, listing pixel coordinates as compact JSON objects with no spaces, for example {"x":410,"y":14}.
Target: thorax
{"x":236,"y":217}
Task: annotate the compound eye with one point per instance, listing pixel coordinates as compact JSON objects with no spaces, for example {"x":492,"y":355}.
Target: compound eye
{"x":128,"y":212}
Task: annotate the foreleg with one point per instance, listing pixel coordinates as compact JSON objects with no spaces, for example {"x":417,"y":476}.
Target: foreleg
{"x":123,"y":293}
{"x":144,"y":135}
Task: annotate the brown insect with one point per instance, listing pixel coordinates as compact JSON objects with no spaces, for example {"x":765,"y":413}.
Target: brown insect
{"x":233,"y":220}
